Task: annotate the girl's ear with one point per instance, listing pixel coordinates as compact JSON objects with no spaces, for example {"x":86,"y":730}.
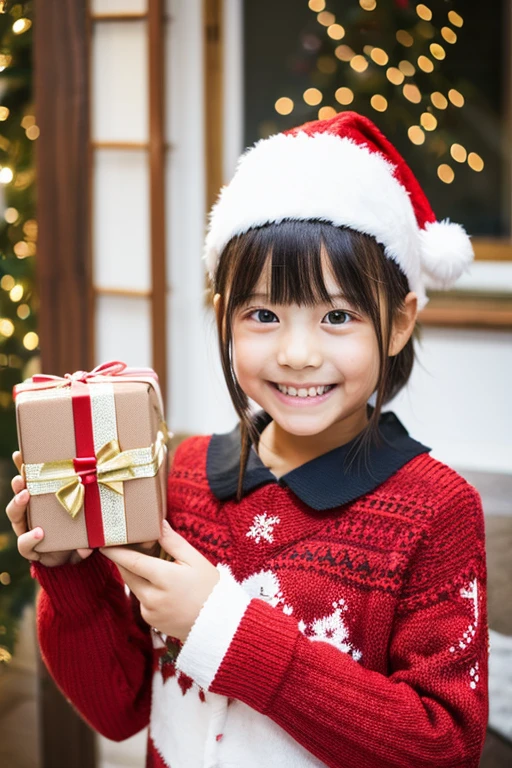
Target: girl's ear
{"x":403,"y":325}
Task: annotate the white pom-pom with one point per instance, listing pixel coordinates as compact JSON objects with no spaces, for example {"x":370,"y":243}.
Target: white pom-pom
{"x":446,"y":252}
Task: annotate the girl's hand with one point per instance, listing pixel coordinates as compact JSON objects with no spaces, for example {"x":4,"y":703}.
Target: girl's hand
{"x":27,"y":540}
{"x":171,"y":594}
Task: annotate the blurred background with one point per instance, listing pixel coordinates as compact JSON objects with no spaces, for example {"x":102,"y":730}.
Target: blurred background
{"x":119,"y":122}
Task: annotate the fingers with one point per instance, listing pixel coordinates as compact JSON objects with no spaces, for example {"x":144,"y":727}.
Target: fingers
{"x":17,"y":483}
{"x":16,"y":511}
{"x":139,"y":564}
{"x":136,"y":584}
{"x":177,"y":546}
{"x":18,"y":461}
{"x":83,"y":553}
{"x":27,"y":542}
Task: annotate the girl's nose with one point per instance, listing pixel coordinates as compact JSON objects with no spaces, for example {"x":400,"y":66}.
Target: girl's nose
{"x":298,"y":350}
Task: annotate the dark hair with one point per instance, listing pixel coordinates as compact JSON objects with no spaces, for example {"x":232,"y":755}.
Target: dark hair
{"x":373,"y":283}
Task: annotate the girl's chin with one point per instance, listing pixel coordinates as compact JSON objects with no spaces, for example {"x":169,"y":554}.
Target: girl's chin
{"x":301,"y":425}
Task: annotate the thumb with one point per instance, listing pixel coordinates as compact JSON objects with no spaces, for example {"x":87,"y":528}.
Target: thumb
{"x":175,"y":545}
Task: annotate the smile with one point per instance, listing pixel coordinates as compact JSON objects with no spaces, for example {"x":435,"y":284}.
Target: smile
{"x":304,"y":391}
{"x":302,"y":396}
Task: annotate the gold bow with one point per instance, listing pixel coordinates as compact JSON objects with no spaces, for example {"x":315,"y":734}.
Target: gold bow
{"x":113,"y":468}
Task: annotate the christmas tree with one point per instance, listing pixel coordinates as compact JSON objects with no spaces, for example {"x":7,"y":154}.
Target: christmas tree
{"x":18,"y":302}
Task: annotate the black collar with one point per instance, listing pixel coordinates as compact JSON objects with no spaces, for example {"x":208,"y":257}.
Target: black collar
{"x":322,"y":483}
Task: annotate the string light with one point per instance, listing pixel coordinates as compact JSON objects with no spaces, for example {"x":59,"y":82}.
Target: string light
{"x":10,"y":215}
{"x":437,"y":51}
{"x":367,"y":49}
{"x":344,"y":96}
{"x":455,"y":19}
{"x":446,"y":173}
{"x":379,"y":56}
{"x":336,"y":31}
{"x":395,"y":76}
{"x":475,"y":162}
{"x":458,"y":153}
{"x":359,"y":63}
{"x":325,"y":113}
{"x":21,"y":25}
{"x":7,"y":282}
{"x":23,"y":311}
{"x":423,"y":12}
{"x":27,"y":121}
{"x":425,"y":64}
{"x":404,"y":38}
{"x":438,"y":100}
{"x":30,"y":340}
{"x":416,"y":135}
{"x":5,"y":656}
{"x":368,"y":5}
{"x":30,"y":229}
{"x":412,"y":93}
{"x":312,"y":96}
{"x":407,"y":68}
{"x":316,"y":5}
{"x":33,"y":132}
{"x":449,"y":35}
{"x":6,"y":327}
{"x":379,"y":103}
{"x":16,"y":293}
{"x":4,"y":113}
{"x":428,"y":121}
{"x":6,"y":175}
{"x":326,"y":19}
{"x":21,"y":249}
{"x":284,"y":106}
{"x":456,"y":98}
{"x":344,"y":53}
{"x":5,"y":578}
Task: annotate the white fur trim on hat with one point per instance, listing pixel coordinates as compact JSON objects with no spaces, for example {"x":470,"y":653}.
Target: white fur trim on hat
{"x":446,"y":252}
{"x":331,"y":178}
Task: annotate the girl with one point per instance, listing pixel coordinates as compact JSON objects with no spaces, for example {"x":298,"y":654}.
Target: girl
{"x":325,"y":599}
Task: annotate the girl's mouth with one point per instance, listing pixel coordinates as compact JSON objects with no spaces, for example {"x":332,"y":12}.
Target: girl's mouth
{"x":302,"y":396}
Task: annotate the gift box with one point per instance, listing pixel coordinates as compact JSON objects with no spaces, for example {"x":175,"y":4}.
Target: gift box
{"x":94,"y":450}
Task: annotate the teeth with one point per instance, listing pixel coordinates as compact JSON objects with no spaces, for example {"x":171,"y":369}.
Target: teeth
{"x":303,"y":392}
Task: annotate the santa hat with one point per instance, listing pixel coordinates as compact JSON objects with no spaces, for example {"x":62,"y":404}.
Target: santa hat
{"x":343,"y":171}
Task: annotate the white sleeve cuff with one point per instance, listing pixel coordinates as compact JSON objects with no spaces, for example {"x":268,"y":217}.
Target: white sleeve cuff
{"x":211,"y":635}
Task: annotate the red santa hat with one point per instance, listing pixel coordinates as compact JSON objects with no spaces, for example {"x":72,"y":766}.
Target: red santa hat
{"x":344,"y":171}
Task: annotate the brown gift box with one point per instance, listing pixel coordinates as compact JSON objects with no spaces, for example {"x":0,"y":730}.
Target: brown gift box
{"x":46,"y":433}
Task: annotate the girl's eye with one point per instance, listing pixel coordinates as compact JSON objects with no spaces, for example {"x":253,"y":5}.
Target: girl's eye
{"x":337,"y":317}
{"x":264,"y":316}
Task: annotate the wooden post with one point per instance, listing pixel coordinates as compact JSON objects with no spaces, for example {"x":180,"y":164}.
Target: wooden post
{"x":157,"y":202}
{"x":63,"y":267}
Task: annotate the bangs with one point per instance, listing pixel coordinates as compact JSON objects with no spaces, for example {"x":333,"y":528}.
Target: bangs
{"x":292,"y":255}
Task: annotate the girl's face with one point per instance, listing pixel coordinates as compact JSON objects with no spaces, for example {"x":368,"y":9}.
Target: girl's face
{"x":309,"y":368}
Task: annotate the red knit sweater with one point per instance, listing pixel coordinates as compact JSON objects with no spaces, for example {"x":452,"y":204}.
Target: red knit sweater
{"x":354,"y":637}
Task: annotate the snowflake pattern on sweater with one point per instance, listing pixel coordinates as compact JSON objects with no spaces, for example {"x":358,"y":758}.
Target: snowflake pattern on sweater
{"x":262,"y":528}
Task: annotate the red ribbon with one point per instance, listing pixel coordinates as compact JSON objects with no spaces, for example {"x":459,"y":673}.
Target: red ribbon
{"x":85,"y":461}
{"x":111,"y":368}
